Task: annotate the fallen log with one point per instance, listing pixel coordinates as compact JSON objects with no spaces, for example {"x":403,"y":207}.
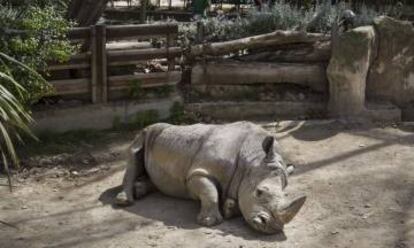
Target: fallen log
{"x":242,"y":73}
{"x":317,"y":52}
{"x":258,"y":41}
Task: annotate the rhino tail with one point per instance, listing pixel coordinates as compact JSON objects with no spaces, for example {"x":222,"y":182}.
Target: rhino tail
{"x":135,"y":169}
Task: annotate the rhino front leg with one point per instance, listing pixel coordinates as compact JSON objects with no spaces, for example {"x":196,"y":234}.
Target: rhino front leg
{"x":205,"y":190}
{"x":230,"y":208}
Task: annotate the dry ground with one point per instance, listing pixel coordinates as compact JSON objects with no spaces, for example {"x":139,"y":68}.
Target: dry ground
{"x":359,"y":182}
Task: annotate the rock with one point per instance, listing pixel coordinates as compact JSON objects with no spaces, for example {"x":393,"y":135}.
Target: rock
{"x":391,"y":77}
{"x":348,"y":69}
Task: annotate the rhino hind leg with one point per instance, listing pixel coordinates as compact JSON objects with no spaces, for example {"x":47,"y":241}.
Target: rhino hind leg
{"x":230,"y":208}
{"x":135,"y":170}
{"x":206,"y":191}
{"x":143,"y":187}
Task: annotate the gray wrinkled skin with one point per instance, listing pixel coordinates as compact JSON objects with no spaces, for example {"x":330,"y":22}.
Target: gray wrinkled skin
{"x":232,"y":169}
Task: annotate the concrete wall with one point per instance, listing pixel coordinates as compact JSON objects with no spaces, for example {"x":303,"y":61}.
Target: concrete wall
{"x":98,"y":116}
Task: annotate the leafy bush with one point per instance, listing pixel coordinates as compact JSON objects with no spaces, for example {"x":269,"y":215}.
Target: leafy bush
{"x":282,"y":16}
{"x":33,"y":35}
{"x":14,"y":118}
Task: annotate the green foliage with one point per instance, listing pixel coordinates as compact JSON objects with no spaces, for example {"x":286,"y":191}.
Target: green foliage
{"x":14,"y":118}
{"x":145,"y":118}
{"x":31,"y":33}
{"x":176,"y":113}
{"x":179,"y":116}
{"x":135,"y":88}
{"x":163,"y":91}
{"x":282,"y":16}
{"x":34,"y":35}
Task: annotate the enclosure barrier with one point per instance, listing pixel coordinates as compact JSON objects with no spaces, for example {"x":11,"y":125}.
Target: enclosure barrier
{"x":96,"y":60}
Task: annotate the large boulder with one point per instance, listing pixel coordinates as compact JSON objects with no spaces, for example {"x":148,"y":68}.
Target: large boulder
{"x":347,"y":71}
{"x":391,"y":77}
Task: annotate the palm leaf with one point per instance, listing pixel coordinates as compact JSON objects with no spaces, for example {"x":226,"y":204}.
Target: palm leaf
{"x":14,"y":117}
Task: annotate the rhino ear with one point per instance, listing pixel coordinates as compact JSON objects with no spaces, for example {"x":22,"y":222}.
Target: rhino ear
{"x":268,"y":147}
{"x":287,"y":213}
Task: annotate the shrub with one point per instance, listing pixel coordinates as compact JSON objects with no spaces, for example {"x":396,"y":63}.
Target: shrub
{"x":282,"y":16}
{"x":33,"y":35}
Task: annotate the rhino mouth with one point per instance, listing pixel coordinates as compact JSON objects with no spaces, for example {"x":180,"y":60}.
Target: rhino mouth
{"x":266,"y":223}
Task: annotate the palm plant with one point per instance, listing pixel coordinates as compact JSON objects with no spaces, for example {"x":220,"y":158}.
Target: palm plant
{"x":14,"y":117}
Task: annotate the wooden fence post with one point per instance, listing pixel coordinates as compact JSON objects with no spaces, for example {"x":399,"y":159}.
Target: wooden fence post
{"x":94,"y":69}
{"x":170,"y":43}
{"x":200,"y":32}
{"x":101,"y":63}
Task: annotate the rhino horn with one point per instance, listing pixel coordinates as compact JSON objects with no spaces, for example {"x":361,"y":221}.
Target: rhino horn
{"x":289,"y":210}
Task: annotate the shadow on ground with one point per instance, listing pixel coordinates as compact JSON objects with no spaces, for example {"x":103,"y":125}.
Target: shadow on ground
{"x":182,"y":214}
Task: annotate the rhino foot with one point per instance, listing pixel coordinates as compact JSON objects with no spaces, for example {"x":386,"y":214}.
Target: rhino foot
{"x":205,"y":190}
{"x":122,"y":200}
{"x":143,"y":187}
{"x":211,"y":218}
{"x":230,"y":208}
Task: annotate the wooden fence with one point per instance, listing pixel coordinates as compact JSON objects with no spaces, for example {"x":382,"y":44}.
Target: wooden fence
{"x":97,"y":60}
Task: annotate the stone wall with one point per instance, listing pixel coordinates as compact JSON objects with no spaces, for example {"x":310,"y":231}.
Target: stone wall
{"x":371,"y":69}
{"x":391,"y":76}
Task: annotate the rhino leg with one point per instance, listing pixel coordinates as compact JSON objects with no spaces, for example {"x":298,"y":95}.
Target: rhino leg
{"x":206,"y":191}
{"x":230,"y":208}
{"x":135,"y":169}
{"x":143,"y":187}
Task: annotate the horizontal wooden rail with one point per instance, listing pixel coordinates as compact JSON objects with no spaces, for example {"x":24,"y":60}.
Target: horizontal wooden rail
{"x":77,"y":61}
{"x":79,"y":33}
{"x":147,"y":80}
{"x":114,"y":57}
{"x":96,"y":63}
{"x":131,"y":31}
{"x":71,"y":86}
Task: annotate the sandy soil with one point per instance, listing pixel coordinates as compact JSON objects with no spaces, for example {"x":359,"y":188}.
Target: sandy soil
{"x":359,"y":182}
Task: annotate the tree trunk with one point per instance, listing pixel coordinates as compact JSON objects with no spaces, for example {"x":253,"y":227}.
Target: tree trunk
{"x":318,"y":52}
{"x":86,"y":12}
{"x":258,"y":41}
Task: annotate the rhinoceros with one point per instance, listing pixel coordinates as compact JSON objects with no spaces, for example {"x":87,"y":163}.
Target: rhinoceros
{"x":231,"y":169}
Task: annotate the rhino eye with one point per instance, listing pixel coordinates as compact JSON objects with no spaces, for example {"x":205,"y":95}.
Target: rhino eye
{"x":259,"y":192}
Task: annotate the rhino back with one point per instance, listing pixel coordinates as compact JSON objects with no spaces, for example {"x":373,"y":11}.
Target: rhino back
{"x":169,"y":153}
{"x":174,"y":154}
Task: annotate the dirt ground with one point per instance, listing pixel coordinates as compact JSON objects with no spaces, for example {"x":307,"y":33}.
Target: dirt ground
{"x":359,"y":181}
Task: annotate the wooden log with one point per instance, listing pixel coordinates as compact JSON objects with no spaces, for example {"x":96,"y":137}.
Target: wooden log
{"x":233,"y":72}
{"x":317,"y":52}
{"x":143,"y":54}
{"x":131,"y":31}
{"x":258,"y":41}
{"x":147,"y":80}
{"x":125,"y":45}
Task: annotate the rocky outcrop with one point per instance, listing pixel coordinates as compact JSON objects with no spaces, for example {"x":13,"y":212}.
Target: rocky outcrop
{"x":347,"y":71}
{"x":391,"y":77}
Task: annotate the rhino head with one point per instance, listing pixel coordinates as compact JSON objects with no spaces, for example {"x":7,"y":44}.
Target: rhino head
{"x":261,"y":195}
